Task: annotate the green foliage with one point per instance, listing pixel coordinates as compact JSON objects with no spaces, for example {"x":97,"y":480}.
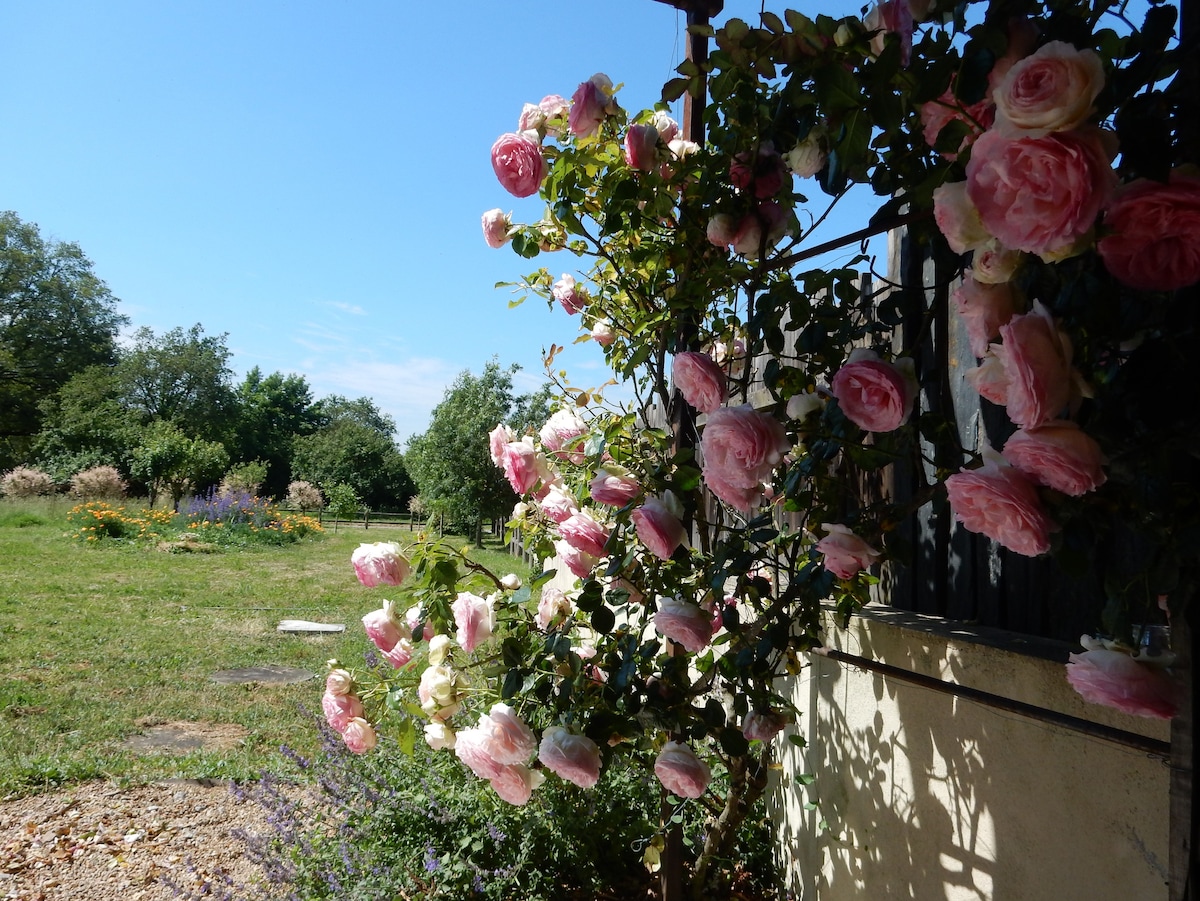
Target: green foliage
{"x":168,"y":460}
{"x":271,"y":411}
{"x":341,"y":500}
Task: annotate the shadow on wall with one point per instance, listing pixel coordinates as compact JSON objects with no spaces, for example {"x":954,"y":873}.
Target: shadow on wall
{"x":922,"y":795}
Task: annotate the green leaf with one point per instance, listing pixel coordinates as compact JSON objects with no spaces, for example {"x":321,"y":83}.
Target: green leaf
{"x":603,"y":620}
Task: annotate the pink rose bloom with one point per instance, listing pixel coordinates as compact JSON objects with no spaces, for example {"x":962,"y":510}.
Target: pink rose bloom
{"x":667,"y":128}
{"x":573,"y":299}
{"x":684,"y":623}
{"x":999,"y":502}
{"x":579,"y":563}
{"x":741,"y":448}
{"x":989,"y":378}
{"x":602,"y":332}
{"x":994,"y":265}
{"x":390,"y":634}
{"x":556,"y":109}
{"x":1059,"y":455}
{"x":658,"y":528}
{"x":808,"y":157}
{"x":532,"y":118}
{"x":380,"y":564}
{"x":471,"y":747}
{"x":722,"y":229}
{"x":523,"y":465}
{"x":761,"y":172}
{"x":613,"y":486}
{"x":1153,"y":240}
{"x":518,"y":164}
{"x":582,"y":532}
{"x":340,"y":710}
{"x":957,"y":219}
{"x":495,"y":228}
{"x":1117,"y":680}
{"x":497,"y":439}
{"x":875,"y":395}
{"x":1052,"y":89}
{"x":590,"y":105}
{"x":762,"y":726}
{"x":1040,"y":195}
{"x":553,"y":608}
{"x":359,"y":735}
{"x":983,"y":309}
{"x":680,"y":771}
{"x":339,"y":682}
{"x":699,"y":380}
{"x":1037,"y":365}
{"x":575,"y":758}
{"x":769,"y":218}
{"x":557,"y":505}
{"x":560,"y":436}
{"x":474,"y":618}
{"x":515,"y":784}
{"x":846,"y":555}
{"x":438,"y":691}
{"x":641,"y":147}
{"x":937,"y":114}
{"x":891,"y":17}
{"x":412,"y":616}
{"x":507,"y":739}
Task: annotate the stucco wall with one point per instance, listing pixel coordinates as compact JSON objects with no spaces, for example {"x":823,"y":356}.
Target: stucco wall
{"x":927,"y":796}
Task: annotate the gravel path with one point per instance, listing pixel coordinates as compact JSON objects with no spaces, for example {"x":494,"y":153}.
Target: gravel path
{"x":98,"y":841}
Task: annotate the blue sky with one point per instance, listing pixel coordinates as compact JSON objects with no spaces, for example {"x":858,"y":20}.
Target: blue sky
{"x":308,"y":177}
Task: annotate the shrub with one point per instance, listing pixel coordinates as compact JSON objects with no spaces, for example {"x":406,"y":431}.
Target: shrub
{"x":244,"y":478}
{"x":25,"y":481}
{"x":304,"y":496}
{"x":240,"y":518}
{"x":97,"y":483}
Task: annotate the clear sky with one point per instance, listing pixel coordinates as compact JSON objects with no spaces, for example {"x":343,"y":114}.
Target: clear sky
{"x":308,"y":177}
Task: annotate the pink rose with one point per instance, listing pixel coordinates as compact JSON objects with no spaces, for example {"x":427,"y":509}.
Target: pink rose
{"x":553,"y":608}
{"x":875,"y":395}
{"x":808,"y":157}
{"x":557,"y":505}
{"x":760,"y":229}
{"x":1040,"y":195}
{"x":641,"y":147}
{"x":340,"y":710}
{"x":983,"y":309}
{"x":579,"y":563}
{"x":613,"y":486}
{"x":523,"y":465}
{"x":498,"y":437}
{"x":515,"y":784}
{"x":518,"y":163}
{"x":471,"y":747}
{"x":722,"y":229}
{"x":575,"y":758}
{"x":760,"y":172}
{"x":999,"y":502}
{"x":475,"y":618}
{"x":388,"y":631}
{"x":846,"y":555}
{"x":989,"y":378}
{"x":495,"y":228}
{"x":684,"y":623}
{"x":590,"y":105}
{"x":741,"y":448}
{"x":582,"y":532}
{"x":1037,"y":365}
{"x":699,"y":380}
{"x":532,"y":118}
{"x":359,"y":735}
{"x":507,"y":739}
{"x":1153,"y":240}
{"x":556,"y":110}
{"x":1059,"y":455}
{"x":602,"y":332}
{"x":658,"y":528}
{"x":762,"y":726}
{"x":667,"y":128}
{"x":438,"y":691}
{"x":412,"y":616}
{"x":957,"y":219}
{"x":380,"y":564}
{"x":993,"y":265}
{"x":1052,"y":89}
{"x":680,"y":771}
{"x":560,"y":436}
{"x":339,"y":682}
{"x":572,"y":298}
{"x":1117,"y":680}
{"x":937,"y":114}
{"x":891,"y":17}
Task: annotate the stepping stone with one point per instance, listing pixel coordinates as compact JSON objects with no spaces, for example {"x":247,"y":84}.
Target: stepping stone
{"x":181,"y":737}
{"x":303,"y":625}
{"x":269,"y":673}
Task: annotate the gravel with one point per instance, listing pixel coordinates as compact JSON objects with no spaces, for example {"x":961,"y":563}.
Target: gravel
{"x":99,"y":841}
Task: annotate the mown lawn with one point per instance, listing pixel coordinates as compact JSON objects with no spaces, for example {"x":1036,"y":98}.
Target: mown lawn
{"x":98,"y":641}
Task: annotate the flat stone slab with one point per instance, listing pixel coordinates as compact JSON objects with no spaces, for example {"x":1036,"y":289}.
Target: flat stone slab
{"x":303,"y":625}
{"x":269,"y":673}
{"x":181,"y":737}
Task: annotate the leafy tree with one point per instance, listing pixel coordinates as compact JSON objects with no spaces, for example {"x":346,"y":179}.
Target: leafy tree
{"x":168,"y":460}
{"x":354,"y":446}
{"x":86,"y":424}
{"x":56,"y":319}
{"x":451,"y":461}
{"x":271,"y":411}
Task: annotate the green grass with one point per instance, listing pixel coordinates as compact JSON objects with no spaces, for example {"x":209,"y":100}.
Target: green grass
{"x":98,"y":640}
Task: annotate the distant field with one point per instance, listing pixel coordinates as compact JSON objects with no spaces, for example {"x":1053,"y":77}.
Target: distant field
{"x":99,"y":641}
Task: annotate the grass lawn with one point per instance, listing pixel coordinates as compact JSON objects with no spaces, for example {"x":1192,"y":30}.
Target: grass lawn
{"x":98,"y":641}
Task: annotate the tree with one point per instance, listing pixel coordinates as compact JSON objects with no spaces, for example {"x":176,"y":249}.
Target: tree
{"x":354,"y":446}
{"x":86,"y":423}
{"x":56,"y":319}
{"x":271,"y":411}
{"x":451,"y":462}
{"x":168,"y":460}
